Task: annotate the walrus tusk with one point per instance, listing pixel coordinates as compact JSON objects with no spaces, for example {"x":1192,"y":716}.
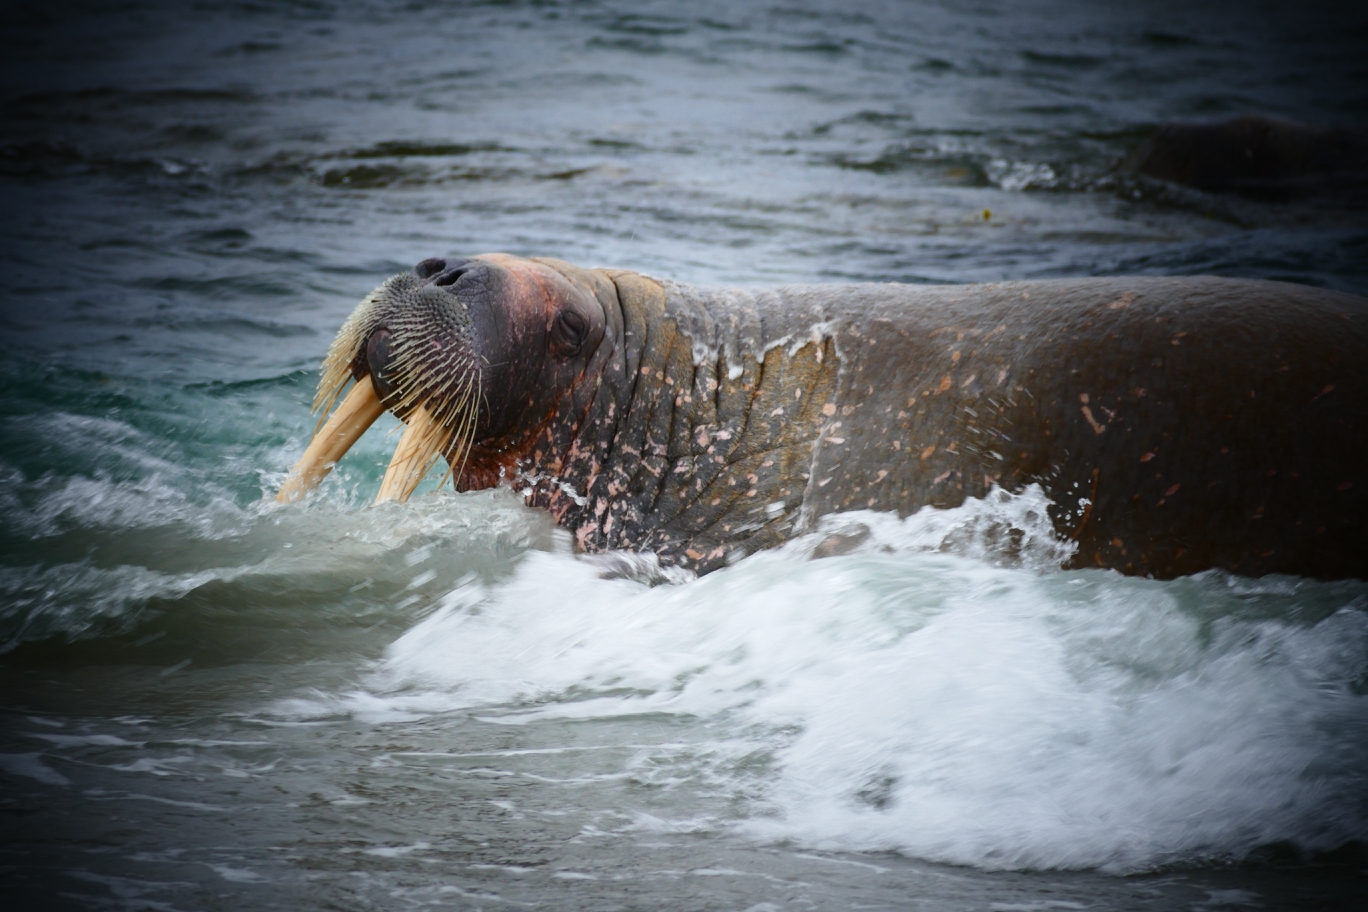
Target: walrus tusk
{"x":346,"y":425}
{"x":417,"y":449}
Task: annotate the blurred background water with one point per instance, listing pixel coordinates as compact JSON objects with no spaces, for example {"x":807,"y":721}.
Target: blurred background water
{"x":210,"y":702}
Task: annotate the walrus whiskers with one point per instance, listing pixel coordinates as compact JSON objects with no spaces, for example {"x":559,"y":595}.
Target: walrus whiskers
{"x":337,"y":364}
{"x":431,"y":432}
{"x":463,"y":438}
{"x":434,"y":389}
{"x":427,"y":431}
{"x":419,"y":446}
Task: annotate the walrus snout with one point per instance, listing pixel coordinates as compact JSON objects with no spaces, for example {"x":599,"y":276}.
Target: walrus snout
{"x":410,"y":347}
{"x":380,"y":360}
{"x":468,"y":352}
{"x":444,"y":271}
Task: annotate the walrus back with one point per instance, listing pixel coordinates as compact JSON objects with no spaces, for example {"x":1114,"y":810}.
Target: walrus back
{"x":1176,"y":424}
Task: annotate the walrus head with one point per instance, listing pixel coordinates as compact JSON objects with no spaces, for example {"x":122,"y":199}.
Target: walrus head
{"x":473,"y":354}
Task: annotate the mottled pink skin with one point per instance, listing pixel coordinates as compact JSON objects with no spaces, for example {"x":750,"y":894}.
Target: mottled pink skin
{"x":1176,"y":424}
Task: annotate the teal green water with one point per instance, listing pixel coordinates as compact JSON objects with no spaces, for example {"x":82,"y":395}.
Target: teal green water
{"x":210,"y":701}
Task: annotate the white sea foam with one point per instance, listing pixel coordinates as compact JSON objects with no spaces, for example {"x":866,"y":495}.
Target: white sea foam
{"x":978,"y":710}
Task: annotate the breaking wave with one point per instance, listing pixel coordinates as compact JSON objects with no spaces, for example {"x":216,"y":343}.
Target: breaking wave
{"x":939,"y":689}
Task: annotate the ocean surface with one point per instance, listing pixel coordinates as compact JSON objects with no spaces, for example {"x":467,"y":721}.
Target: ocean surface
{"x":208,"y":701}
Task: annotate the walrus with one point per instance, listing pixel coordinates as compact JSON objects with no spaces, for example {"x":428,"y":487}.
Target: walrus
{"x":1175,"y":424}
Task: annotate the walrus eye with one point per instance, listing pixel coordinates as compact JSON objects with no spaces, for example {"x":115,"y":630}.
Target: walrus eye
{"x":568,"y":333}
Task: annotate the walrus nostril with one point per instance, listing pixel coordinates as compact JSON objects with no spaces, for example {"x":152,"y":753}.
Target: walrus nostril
{"x":430,"y":267}
{"x":442,"y":270}
{"x":379,"y":356}
{"x":451,"y":275}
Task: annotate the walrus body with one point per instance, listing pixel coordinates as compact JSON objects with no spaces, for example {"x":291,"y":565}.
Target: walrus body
{"x":1175,"y":424}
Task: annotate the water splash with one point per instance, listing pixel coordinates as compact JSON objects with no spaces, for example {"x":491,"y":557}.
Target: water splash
{"x":967,"y":708}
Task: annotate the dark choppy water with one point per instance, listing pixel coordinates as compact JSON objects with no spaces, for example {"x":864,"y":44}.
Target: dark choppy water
{"x":211,"y":703}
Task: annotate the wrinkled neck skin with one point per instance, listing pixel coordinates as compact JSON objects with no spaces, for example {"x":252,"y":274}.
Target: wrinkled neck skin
{"x":691,"y":431}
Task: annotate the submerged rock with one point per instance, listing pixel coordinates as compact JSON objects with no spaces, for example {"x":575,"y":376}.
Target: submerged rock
{"x":1254,"y":153}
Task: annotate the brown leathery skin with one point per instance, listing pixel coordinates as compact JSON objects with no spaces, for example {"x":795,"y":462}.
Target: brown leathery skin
{"x":1209,"y":422}
{"x":1177,"y":424}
